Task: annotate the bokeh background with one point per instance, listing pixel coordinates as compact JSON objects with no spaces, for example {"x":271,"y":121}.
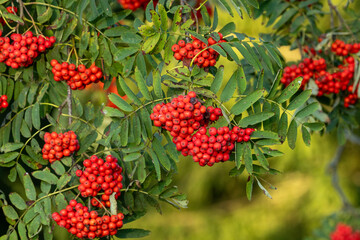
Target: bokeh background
{"x":218,"y":207}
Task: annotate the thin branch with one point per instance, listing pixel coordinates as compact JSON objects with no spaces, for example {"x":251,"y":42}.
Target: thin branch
{"x":331,"y":15}
{"x":332,"y":170}
{"x":21,"y":6}
{"x":340,"y":17}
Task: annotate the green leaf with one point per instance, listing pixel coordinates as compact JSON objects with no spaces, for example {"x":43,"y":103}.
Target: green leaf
{"x":106,"y":7}
{"x":17,"y":201}
{"x":129,"y":93}
{"x":299,"y":100}
{"x":10,"y":212}
{"x":236,"y":172}
{"x":141,"y":170}
{"x":13,"y":17}
{"x":306,"y":136}
{"x":255,"y":118}
{"x":246,"y":102}
{"x":46,"y":15}
{"x":35,"y":116}
{"x":132,"y":233}
{"x":290,"y":90}
{"x":249,"y":187}
{"x":161,"y":154}
{"x":124,"y":132}
{"x":263,"y":189}
{"x":292,"y":134}
{"x":251,"y":59}
{"x":22,"y":231}
{"x":229,"y":89}
{"x":264,"y":134}
{"x":151,"y":42}
{"x":8,"y":147}
{"x":316,"y":126}
{"x":283,"y":126}
{"x":30,"y":190}
{"x":87,"y":141}
{"x":265,"y":142}
{"x":241,"y":80}
{"x":120,"y":103}
{"x":121,"y":53}
{"x":308,"y":110}
{"x":156,"y":163}
{"x":227,"y":7}
{"x":63,"y":180}
{"x":261,"y":158}
{"x":216,"y":85}
{"x":273,"y":54}
{"x":45,"y":176}
{"x":226,"y":46}
{"x":113,"y":112}
{"x":274,"y":86}
{"x":228,"y":29}
{"x":248,"y":158}
{"x":132,"y":157}
{"x":141,"y":83}
{"x":264,"y":56}
{"x":8,"y":157}
{"x":285,"y":17}
{"x":239,"y":154}
{"x":205,"y":15}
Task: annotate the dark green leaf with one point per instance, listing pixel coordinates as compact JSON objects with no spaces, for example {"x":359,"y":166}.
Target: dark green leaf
{"x":308,"y":110}
{"x":132,"y":233}
{"x":261,"y":158}
{"x":120,"y":103}
{"x":255,"y":118}
{"x":299,"y":100}
{"x":216,"y":85}
{"x":17,"y":201}
{"x":290,"y":90}
{"x":246,"y":102}
{"x":29,"y":187}
{"x":249,"y":187}
{"x":292,"y":134}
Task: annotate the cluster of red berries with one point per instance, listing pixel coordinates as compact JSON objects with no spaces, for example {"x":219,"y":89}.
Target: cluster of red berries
{"x":77,"y":219}
{"x":134,"y":4}
{"x":207,"y":150}
{"x":329,"y":81}
{"x":12,"y":10}
{"x":340,"y":48}
{"x":186,"y":119}
{"x":344,"y":232}
{"x":184,"y":115}
{"x":308,"y":68}
{"x":76,"y":77}
{"x":23,"y":49}
{"x":196,"y":50}
{"x":100,"y":175}
{"x":59,"y":145}
{"x":3,"y":102}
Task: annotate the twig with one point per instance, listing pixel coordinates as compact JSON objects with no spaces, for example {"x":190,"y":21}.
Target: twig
{"x":300,"y":49}
{"x":332,"y":170}
{"x":69,"y":103}
{"x":341,"y":19}
{"x":21,"y":5}
{"x":353,"y":138}
{"x":331,"y":15}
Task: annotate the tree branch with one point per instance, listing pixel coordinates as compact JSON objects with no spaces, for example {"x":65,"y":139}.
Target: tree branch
{"x":332,"y":170}
{"x":340,"y":17}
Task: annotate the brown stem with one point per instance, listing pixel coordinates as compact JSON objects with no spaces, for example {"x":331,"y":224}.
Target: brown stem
{"x":21,"y":4}
{"x":341,"y":19}
{"x":332,"y":170}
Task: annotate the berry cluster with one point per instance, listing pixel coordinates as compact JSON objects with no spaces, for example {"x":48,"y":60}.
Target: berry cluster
{"x":184,"y":115}
{"x":186,"y":119}
{"x":77,"y":219}
{"x":329,"y":80}
{"x":344,"y":232}
{"x":133,"y":4}
{"x":196,"y":50}
{"x":100,"y":175}
{"x":3,"y":102}
{"x":207,"y":150}
{"x":308,"y":68}
{"x":59,"y":145}
{"x":341,"y":49}
{"x":12,"y":10}
{"x":23,"y":49}
{"x":76,"y":77}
